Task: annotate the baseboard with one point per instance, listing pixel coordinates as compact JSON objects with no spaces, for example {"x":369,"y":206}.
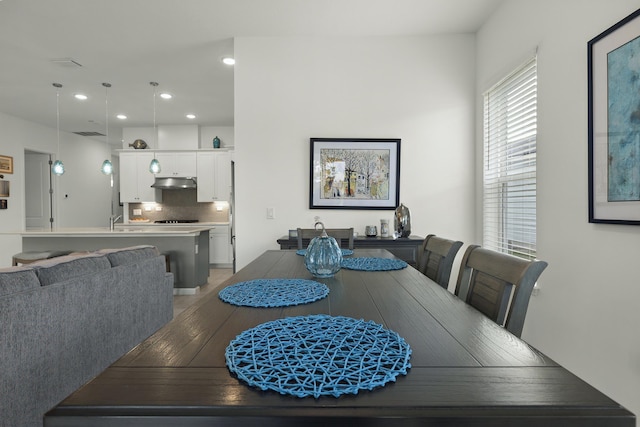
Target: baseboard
{"x":221,"y":265}
{"x":186,"y":291}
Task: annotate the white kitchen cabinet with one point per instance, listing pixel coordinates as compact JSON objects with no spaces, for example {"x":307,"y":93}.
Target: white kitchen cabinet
{"x":177,"y":164}
{"x":220,"y":250}
{"x":214,"y":176}
{"x":136,"y":180}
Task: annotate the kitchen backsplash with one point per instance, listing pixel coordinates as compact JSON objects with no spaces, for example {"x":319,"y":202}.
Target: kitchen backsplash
{"x":181,"y":204}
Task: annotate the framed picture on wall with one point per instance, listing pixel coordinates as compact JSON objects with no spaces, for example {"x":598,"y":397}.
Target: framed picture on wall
{"x":354,"y":173}
{"x":6,"y":164}
{"x":614,"y":123}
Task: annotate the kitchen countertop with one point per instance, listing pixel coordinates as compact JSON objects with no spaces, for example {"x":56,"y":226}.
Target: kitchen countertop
{"x":121,"y":231}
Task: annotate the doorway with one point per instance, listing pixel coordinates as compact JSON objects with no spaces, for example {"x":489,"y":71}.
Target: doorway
{"x":38,"y":190}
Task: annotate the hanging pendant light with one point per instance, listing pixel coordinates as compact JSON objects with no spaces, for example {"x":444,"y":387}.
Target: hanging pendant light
{"x":154,"y":166}
{"x":107,"y":166}
{"x":58,"y":166}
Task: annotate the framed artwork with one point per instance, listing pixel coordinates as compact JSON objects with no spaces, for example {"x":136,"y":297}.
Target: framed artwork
{"x":354,"y":173}
{"x":6,"y":164}
{"x":5,"y":188}
{"x":614,"y":123}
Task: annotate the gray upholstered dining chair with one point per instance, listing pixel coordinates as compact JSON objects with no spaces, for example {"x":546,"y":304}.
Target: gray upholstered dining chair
{"x":340,"y":234}
{"x":436,"y":258}
{"x":498,"y":285}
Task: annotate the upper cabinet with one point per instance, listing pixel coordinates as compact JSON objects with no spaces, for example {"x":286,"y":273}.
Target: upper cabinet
{"x":177,"y":164}
{"x":136,"y":180}
{"x":214,"y":176}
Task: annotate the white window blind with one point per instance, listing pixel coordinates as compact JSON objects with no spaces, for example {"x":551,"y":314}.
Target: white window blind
{"x":509,"y":194}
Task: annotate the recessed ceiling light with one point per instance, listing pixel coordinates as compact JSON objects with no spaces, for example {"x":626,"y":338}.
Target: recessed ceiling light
{"x":166,"y":95}
{"x":80,"y":96}
{"x":121,"y":116}
{"x":228,"y":60}
{"x":191,"y":116}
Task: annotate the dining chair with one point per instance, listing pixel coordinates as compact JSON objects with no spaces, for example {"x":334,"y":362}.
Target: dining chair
{"x":436,"y":258}
{"x":498,"y":285}
{"x":340,"y":234}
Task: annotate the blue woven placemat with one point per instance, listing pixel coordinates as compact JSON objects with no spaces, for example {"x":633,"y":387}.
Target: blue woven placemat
{"x":345,"y":252}
{"x":273,"y":292}
{"x":373,"y":264}
{"x":318,"y":355}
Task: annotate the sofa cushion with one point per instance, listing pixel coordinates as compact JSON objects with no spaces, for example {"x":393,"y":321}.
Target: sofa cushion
{"x":17,"y":279}
{"x":130,"y":255}
{"x":63,"y":268}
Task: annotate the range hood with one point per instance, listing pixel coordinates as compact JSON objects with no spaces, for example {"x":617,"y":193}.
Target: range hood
{"x":175,"y":183}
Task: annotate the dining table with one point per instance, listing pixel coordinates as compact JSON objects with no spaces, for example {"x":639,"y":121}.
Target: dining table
{"x":463,"y":369}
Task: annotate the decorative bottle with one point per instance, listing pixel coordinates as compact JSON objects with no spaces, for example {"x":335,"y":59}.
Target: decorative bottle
{"x":216,"y":142}
{"x":384,"y":228}
{"x":402,"y":221}
{"x":323,"y":256}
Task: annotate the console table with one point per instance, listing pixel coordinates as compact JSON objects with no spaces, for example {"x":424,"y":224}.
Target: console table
{"x":405,"y":248}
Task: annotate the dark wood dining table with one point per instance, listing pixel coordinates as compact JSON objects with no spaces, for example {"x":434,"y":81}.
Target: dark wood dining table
{"x":465,"y":369}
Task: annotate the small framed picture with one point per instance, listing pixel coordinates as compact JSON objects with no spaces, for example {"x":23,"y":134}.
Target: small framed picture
{"x":6,"y":164}
{"x":4,"y":188}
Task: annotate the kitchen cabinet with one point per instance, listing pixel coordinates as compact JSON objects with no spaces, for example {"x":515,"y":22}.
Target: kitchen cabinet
{"x":214,"y":176}
{"x":220,"y":250}
{"x":176,"y":164}
{"x":136,"y":180}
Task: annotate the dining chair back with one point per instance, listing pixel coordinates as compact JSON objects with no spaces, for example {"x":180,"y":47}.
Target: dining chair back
{"x":498,"y":285}
{"x":344,"y":236}
{"x":436,"y":258}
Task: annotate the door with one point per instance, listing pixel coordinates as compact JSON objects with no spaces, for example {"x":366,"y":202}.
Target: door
{"x":38,"y":199}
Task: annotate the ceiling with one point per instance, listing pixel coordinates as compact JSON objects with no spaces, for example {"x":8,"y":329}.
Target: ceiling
{"x":177,"y":43}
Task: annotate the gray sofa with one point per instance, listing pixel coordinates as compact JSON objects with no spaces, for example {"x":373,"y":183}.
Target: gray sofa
{"x":64,"y":320}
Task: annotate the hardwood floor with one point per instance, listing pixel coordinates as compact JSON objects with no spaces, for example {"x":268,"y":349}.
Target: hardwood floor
{"x":216,"y":277}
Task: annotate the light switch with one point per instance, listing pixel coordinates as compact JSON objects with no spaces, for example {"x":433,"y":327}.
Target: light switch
{"x":137,"y":211}
{"x":271,"y":213}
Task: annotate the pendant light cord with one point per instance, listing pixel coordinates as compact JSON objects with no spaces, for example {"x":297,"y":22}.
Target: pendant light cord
{"x":155,"y":132}
{"x":106,"y":109}
{"x":58,"y":86}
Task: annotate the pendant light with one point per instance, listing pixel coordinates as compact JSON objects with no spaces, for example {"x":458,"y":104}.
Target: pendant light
{"x":58,"y":166}
{"x":107,"y":166}
{"x":154,"y":166}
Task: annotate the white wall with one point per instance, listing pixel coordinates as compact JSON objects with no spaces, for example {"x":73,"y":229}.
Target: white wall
{"x":88,"y":190}
{"x":586,"y":315}
{"x":287,"y":90}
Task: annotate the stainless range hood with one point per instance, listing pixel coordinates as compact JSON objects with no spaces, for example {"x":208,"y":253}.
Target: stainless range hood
{"x":175,"y":183}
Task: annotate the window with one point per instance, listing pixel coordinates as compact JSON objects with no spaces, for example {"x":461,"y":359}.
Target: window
{"x":509,"y":192}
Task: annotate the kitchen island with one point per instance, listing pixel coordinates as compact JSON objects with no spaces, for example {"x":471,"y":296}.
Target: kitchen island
{"x":187,"y":247}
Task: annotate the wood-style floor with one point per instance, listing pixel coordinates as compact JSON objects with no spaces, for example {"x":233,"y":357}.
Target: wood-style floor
{"x":216,"y":277}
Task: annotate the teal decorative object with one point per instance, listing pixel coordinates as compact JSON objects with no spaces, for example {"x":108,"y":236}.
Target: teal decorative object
{"x":323,"y":257}
{"x":216,"y":142}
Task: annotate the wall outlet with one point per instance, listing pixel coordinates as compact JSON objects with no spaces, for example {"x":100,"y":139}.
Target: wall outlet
{"x":137,"y":211}
{"x":535,"y":291}
{"x":271,"y":213}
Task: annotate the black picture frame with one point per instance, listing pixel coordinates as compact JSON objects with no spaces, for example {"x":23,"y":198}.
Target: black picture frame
{"x":614,"y":129}
{"x":354,"y":173}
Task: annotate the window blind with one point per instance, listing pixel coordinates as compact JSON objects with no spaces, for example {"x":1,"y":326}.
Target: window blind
{"x":509,"y":192}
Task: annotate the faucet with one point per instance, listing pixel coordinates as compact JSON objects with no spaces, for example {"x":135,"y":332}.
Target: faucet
{"x":112,"y":221}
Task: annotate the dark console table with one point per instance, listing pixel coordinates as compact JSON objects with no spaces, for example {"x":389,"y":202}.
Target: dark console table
{"x":405,"y":248}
